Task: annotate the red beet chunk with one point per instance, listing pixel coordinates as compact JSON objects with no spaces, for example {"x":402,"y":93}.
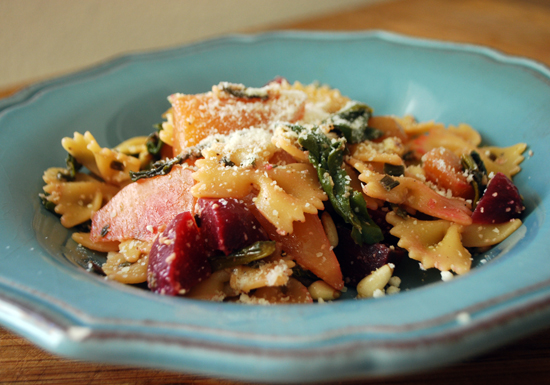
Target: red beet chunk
{"x":500,"y":203}
{"x":227,"y":225}
{"x":178,"y":258}
{"x":357,"y":261}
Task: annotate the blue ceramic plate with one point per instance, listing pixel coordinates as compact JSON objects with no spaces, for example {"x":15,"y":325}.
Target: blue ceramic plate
{"x":46,"y":297}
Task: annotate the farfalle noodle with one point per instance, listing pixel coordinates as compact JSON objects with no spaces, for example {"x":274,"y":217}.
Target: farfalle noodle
{"x":434,"y":243}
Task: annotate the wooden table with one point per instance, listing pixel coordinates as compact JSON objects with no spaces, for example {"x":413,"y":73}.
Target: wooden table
{"x":513,"y":26}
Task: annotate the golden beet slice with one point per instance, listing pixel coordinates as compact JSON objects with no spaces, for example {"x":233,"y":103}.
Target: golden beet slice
{"x":309,"y":247}
{"x":144,"y":208}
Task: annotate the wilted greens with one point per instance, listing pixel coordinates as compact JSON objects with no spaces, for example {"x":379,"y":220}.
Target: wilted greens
{"x":353,"y":122}
{"x":254,"y":252}
{"x":327,"y":156}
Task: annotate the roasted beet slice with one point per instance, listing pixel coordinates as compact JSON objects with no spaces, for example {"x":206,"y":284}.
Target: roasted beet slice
{"x":178,"y":258}
{"x":357,"y":261}
{"x":228,"y":225}
{"x":500,"y":203}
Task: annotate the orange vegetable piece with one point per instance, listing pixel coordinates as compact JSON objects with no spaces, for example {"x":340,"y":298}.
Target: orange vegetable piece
{"x":444,"y":169}
{"x":199,"y":116}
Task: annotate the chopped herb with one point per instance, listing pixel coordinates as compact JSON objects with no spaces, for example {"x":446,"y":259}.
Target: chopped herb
{"x":124,"y":264}
{"x":353,"y":122}
{"x":116,"y":165}
{"x":48,"y":205}
{"x":240,"y":91}
{"x":62,"y":175}
{"x":394,"y":170}
{"x":153,"y":143}
{"x":305,"y":277}
{"x":163,"y":167}
{"x":399,"y":211}
{"x":254,"y":252}
{"x":104,"y":230}
{"x":72,"y":167}
{"x":227,"y":162}
{"x":327,"y":156}
{"x":473,"y":164}
{"x":388,"y":182}
{"x":249,"y":162}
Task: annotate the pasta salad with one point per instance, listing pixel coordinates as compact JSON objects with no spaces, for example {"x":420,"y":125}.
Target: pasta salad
{"x":288,"y":193}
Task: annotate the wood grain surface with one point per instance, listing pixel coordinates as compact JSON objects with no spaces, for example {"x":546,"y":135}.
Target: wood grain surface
{"x":512,"y":26}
